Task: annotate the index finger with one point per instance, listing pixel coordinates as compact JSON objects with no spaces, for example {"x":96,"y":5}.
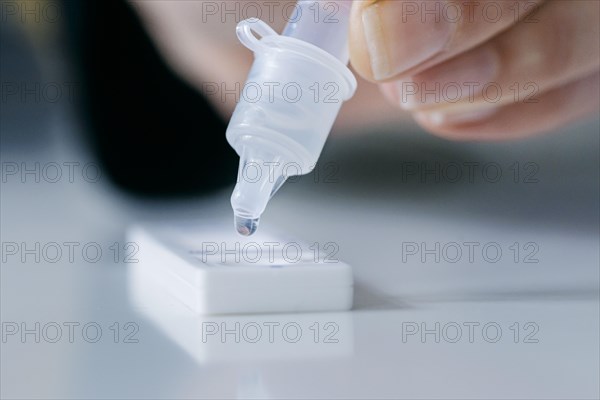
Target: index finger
{"x":390,"y":39}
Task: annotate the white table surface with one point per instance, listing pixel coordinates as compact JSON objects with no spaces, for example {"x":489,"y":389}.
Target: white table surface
{"x":368,"y":211}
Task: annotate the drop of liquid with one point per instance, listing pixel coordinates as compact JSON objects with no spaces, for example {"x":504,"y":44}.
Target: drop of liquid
{"x":246,"y":226}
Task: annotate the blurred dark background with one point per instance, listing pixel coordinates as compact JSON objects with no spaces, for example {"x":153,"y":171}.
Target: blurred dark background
{"x":153,"y":133}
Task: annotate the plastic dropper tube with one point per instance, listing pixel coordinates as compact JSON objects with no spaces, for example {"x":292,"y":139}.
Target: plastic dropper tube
{"x":291,"y":99}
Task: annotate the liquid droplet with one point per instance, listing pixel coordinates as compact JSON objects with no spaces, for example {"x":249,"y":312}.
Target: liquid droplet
{"x":246,"y":226}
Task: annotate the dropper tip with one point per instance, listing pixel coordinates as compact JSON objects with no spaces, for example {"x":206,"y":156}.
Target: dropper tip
{"x":246,"y":226}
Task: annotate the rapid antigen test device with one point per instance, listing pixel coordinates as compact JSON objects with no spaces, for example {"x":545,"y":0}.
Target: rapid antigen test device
{"x":212,"y":270}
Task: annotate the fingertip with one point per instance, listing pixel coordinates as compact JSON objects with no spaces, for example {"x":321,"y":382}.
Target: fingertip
{"x":359,"y":51}
{"x":458,"y":127}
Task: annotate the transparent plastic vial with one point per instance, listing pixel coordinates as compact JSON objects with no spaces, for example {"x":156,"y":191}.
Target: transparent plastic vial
{"x":289,"y":103}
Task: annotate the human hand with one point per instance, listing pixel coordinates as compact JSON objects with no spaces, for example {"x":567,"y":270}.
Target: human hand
{"x":482,"y":70}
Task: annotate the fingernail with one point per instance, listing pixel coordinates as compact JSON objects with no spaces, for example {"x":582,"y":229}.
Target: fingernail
{"x":397,"y":41}
{"x":439,"y":118}
{"x":458,"y":80}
